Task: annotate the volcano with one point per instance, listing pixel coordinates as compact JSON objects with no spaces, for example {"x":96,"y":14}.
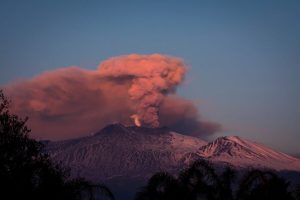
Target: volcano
{"x":117,"y":151}
{"x":132,"y":153}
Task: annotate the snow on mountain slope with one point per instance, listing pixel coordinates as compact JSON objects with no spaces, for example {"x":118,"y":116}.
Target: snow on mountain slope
{"x":137,"y":152}
{"x":244,"y":153}
{"x":122,"y":151}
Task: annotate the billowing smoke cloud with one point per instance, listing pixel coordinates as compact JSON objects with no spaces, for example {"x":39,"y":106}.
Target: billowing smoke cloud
{"x":72,"y":102}
{"x":183,"y":116}
{"x":152,"y":78}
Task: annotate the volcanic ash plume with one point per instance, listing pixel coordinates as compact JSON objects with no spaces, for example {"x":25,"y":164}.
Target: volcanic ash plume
{"x":152,"y":78}
{"x":72,"y":102}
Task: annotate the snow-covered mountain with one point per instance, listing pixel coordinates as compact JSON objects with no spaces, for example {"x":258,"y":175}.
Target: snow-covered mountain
{"x":119,"y":151}
{"x":244,"y":153}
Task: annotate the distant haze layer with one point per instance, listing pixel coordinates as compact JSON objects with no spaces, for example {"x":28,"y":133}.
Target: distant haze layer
{"x":132,"y":89}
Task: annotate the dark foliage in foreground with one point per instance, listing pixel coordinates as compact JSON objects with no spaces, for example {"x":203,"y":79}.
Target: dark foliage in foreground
{"x":297,"y":193}
{"x":201,"y":181}
{"x":27,"y":173}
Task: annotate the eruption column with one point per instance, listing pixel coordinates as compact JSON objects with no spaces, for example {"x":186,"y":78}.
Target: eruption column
{"x":136,"y":120}
{"x":153,"y":77}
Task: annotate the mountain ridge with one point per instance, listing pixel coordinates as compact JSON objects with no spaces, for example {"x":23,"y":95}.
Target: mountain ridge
{"x":123,"y":151}
{"x":245,"y":153}
{"x":117,"y":150}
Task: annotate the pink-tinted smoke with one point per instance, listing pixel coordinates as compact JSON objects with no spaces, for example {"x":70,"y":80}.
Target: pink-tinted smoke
{"x":72,"y":102}
{"x":152,"y":78}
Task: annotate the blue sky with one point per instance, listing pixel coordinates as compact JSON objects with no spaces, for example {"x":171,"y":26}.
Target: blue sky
{"x":244,"y":56}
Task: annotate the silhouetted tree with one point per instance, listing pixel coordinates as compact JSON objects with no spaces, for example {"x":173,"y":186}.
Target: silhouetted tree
{"x":87,"y":190}
{"x":28,"y":173}
{"x":161,"y":186}
{"x":199,"y":181}
{"x":297,"y":192}
{"x":262,"y":185}
{"x":225,"y":184}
